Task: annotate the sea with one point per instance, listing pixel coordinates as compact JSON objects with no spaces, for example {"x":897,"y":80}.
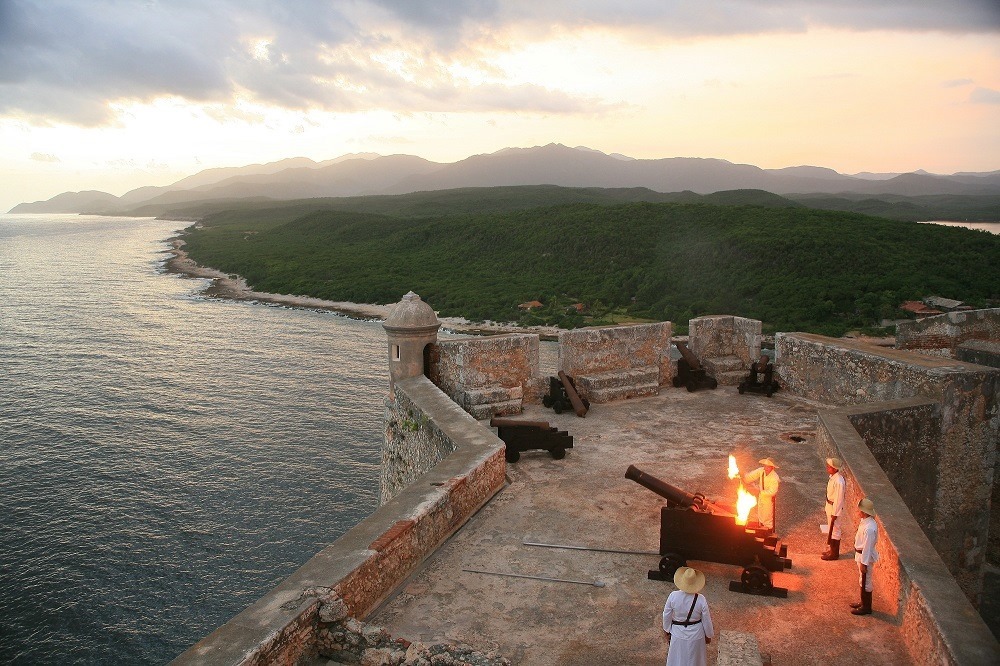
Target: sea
{"x":165,"y":458}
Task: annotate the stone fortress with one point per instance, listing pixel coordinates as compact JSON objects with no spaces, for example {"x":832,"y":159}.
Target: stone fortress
{"x":916,"y":426}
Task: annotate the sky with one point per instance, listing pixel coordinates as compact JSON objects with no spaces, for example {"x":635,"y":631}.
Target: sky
{"x":112,"y":95}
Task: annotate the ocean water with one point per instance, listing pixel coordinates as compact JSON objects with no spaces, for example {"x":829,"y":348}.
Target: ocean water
{"x":164,"y":458}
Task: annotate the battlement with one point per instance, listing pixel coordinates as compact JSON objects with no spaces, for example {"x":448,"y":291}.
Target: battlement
{"x":917,"y":433}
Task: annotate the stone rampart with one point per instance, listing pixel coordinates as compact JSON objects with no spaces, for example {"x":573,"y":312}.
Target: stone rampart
{"x":725,"y":345}
{"x":957,"y":446}
{"x":942,"y":334}
{"x":911,"y":582}
{"x":615,"y":362}
{"x":361,"y":568}
{"x":487,"y":376}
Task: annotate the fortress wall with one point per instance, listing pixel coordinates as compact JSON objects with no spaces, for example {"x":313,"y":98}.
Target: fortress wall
{"x":942,"y":334}
{"x":725,"y":335}
{"x":484,"y":370}
{"x":959,"y":446}
{"x":360,"y":569}
{"x":911,"y":582}
{"x":600,"y":350}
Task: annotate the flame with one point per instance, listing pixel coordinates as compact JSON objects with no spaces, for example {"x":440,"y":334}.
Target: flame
{"x":744,"y":500}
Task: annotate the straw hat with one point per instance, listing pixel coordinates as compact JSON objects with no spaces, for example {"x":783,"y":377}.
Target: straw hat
{"x":834,"y":462}
{"x":689,"y":580}
{"x":767,"y":462}
{"x":867,"y":506}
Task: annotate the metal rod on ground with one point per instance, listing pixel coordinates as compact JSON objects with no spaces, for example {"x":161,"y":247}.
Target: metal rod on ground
{"x":595,"y":583}
{"x":599,"y":550}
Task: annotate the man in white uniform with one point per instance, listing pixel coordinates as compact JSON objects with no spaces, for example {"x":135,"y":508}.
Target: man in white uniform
{"x":687,"y":621}
{"x":766,"y":481}
{"x":836,"y":488}
{"x":865,"y":554}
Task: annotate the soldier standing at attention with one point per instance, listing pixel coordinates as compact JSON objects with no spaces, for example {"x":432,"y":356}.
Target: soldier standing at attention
{"x":766,"y":480}
{"x":836,"y":488}
{"x":865,"y":554}
{"x":687,"y":620}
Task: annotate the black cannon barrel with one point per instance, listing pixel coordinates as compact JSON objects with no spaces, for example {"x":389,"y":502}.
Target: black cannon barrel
{"x":671,"y":493}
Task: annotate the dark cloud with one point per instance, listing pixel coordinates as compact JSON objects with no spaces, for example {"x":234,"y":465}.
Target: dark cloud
{"x":66,"y":60}
{"x":985,"y":96}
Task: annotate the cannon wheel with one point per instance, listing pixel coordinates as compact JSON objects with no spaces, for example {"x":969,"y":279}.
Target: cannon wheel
{"x":691,"y":386}
{"x":512,"y":455}
{"x":677,"y":381}
{"x":558,"y":453}
{"x":770,"y":390}
{"x":670,"y":563}
{"x":714,"y":383}
{"x":756,"y":580}
{"x":547,"y":400}
{"x":742,"y":387}
{"x":557,"y":407}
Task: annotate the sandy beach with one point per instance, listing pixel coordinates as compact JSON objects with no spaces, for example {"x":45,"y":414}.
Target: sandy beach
{"x":234,"y":287}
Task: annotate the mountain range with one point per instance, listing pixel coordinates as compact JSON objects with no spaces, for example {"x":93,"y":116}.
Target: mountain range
{"x":360,"y":174}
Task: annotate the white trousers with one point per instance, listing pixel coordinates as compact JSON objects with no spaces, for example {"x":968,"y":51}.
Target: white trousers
{"x":836,"y":526}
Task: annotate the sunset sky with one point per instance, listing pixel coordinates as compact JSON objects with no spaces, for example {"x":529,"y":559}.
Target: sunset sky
{"x":115,"y":94}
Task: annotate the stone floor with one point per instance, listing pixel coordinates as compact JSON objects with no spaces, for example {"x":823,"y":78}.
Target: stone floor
{"x":584,"y":500}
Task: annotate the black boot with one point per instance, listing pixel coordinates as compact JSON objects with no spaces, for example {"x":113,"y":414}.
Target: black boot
{"x":832,"y":551}
{"x":866,"y":604}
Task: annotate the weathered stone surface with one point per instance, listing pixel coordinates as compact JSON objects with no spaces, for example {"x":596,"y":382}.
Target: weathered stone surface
{"x":942,"y":334}
{"x":720,"y":336}
{"x":962,"y":443}
{"x":609,"y":353}
{"x":487,"y":370}
{"x":738,"y":649}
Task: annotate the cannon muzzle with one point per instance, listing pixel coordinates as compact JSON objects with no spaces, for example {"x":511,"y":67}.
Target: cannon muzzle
{"x":673,"y":494}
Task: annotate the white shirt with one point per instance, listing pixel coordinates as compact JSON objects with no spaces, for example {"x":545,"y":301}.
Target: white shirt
{"x":864,"y":540}
{"x":767,"y":484}
{"x":677,"y":607}
{"x":836,"y":488}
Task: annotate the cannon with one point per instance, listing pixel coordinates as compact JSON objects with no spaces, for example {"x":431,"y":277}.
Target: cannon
{"x":563,"y":395}
{"x":761,"y":378}
{"x":694,"y":528}
{"x":522,"y":436}
{"x":690,"y":372}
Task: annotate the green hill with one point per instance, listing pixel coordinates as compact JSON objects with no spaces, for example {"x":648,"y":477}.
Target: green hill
{"x":792,"y":268}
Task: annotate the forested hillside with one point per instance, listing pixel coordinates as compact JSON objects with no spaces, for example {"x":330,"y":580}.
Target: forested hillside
{"x":793,"y":268}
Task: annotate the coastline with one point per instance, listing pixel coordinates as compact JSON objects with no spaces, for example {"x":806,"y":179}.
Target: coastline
{"x":235,"y":288}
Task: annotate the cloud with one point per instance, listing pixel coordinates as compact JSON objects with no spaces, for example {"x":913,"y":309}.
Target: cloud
{"x":71,"y":61}
{"x":45,"y":157}
{"x":957,"y":83}
{"x":985,"y":96}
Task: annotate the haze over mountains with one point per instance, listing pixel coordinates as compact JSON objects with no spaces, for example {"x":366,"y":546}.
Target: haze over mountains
{"x":370,"y":174}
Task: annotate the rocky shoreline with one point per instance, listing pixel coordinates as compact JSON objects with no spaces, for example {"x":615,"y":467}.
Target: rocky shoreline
{"x":234,"y":287}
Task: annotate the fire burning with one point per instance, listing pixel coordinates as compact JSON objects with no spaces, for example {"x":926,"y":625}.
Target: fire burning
{"x":744,"y":500}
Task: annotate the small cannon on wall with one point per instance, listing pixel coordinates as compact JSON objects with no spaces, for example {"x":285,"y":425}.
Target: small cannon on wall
{"x":694,"y":528}
{"x":761,"y":378}
{"x":563,"y":395}
{"x":690,"y":372}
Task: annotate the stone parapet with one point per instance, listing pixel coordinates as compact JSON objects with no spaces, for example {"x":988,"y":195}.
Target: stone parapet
{"x":942,"y":334}
{"x":961,"y":442}
{"x":911,"y":582}
{"x":591,"y":355}
{"x":720,"y":336}
{"x":469,"y":369}
{"x":366,"y":564}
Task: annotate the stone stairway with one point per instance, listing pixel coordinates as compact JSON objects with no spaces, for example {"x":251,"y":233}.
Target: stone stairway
{"x":727,"y":370}
{"x":492,"y":401}
{"x":610,"y":386}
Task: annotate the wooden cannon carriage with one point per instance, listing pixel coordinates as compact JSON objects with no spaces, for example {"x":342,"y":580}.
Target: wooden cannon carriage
{"x":693,"y":528}
{"x":761,"y":378}
{"x":690,"y":372}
